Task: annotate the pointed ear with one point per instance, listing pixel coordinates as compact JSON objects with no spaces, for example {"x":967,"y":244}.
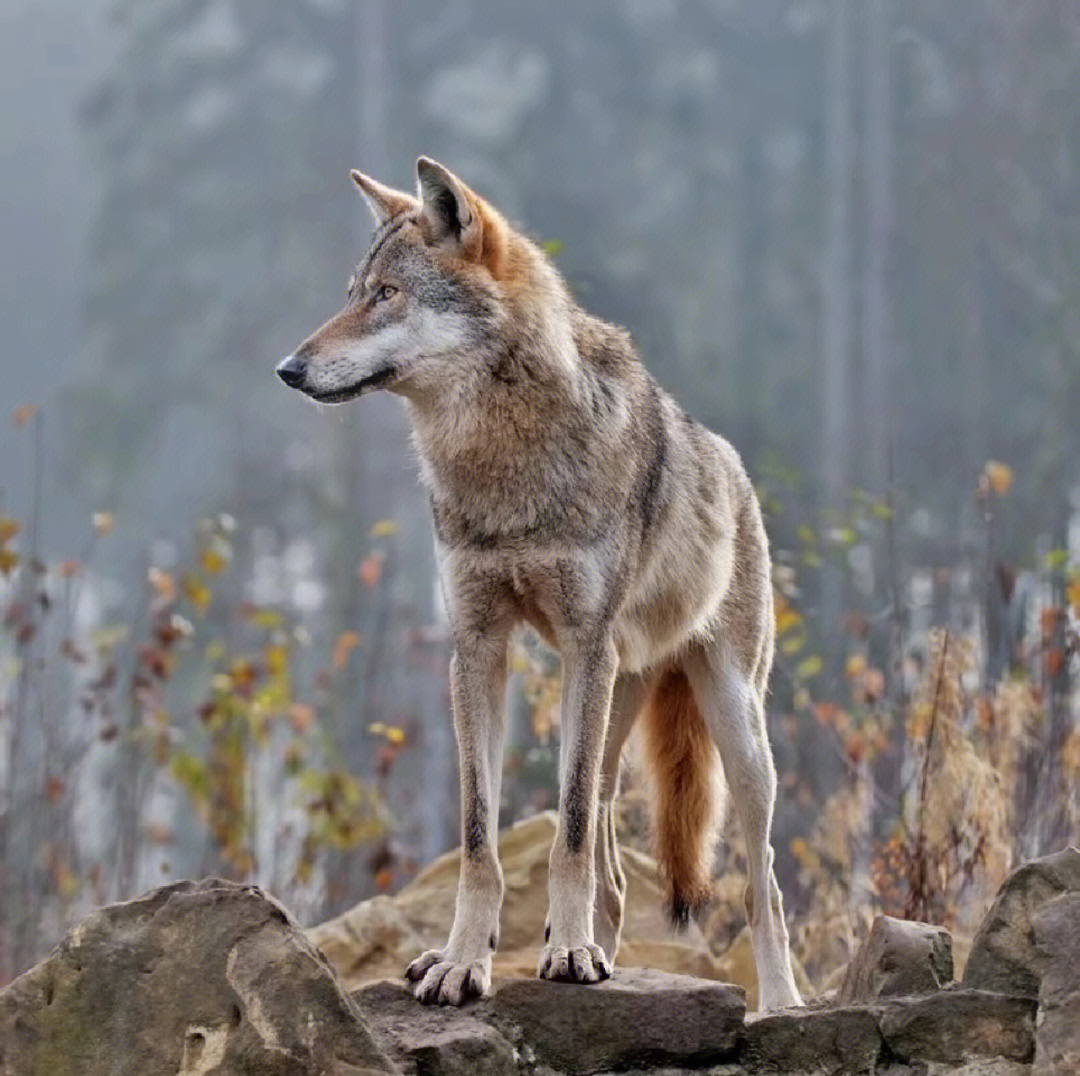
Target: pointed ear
{"x":448,"y":208}
{"x":383,"y":202}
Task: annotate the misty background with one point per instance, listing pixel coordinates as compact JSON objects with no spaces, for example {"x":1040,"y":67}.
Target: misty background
{"x":845,"y":235}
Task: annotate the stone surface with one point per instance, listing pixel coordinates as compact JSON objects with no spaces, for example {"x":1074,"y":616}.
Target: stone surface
{"x":828,"y":1042}
{"x":195,"y":977}
{"x":636,"y":1018}
{"x":954,"y":1026}
{"x":432,"y":1040}
{"x":1057,"y":941}
{"x":898,"y":957}
{"x":1003,"y":955}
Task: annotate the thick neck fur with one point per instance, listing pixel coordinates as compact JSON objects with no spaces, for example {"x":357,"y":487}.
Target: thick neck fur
{"x":504,"y":448}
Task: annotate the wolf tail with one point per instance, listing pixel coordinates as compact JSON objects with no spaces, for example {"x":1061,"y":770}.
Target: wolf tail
{"x":687,"y":792}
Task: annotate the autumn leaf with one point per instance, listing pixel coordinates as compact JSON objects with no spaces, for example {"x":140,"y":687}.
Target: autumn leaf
{"x":855,"y":666}
{"x":9,"y":528}
{"x":9,"y":560}
{"x":385,"y":528}
{"x":23,"y":414}
{"x":103,"y":523}
{"x":999,"y":476}
{"x":370,"y":569}
{"x":196,"y":591}
{"x":808,"y":667}
{"x":347,"y":641}
{"x":68,"y":569}
{"x":55,"y":788}
{"x":301,"y":716}
{"x":1072,"y":593}
{"x":163,"y":584}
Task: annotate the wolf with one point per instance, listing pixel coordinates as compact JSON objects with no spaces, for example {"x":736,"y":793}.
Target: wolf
{"x":570,"y":493}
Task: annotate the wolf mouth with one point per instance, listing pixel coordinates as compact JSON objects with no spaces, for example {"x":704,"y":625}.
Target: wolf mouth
{"x":372,"y":381}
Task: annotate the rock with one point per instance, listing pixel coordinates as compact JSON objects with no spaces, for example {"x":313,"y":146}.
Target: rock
{"x":823,"y":1041}
{"x":1057,"y":940}
{"x":898,"y":957}
{"x":195,"y":977}
{"x":430,"y":1040}
{"x":954,"y":1026}
{"x":378,"y":937}
{"x":371,"y":941}
{"x":1003,"y":955}
{"x":636,"y":1018}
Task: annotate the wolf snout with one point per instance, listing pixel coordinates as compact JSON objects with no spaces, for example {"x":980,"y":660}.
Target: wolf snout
{"x":292,"y":371}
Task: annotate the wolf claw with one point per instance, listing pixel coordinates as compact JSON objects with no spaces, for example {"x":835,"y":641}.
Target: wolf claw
{"x":441,"y":981}
{"x":582,"y":964}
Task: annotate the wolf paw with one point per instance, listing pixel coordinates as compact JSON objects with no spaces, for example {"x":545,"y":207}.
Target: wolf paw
{"x":442,"y":981}
{"x":582,"y":964}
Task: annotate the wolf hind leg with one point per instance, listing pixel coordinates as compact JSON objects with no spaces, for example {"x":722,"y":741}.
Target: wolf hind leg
{"x":462,"y":968}
{"x":626,"y":698}
{"x":731,"y":701}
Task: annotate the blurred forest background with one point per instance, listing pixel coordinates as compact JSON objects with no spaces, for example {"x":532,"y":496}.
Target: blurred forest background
{"x":844,"y":234}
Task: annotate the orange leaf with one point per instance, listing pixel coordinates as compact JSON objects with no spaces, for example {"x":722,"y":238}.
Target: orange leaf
{"x":301,"y":716}
{"x":347,"y":641}
{"x":23,"y":414}
{"x":999,"y":476}
{"x":370,"y":569}
{"x":162,"y":583}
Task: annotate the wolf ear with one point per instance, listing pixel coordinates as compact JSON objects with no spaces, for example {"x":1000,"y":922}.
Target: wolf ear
{"x":447,"y":210}
{"x":383,"y":202}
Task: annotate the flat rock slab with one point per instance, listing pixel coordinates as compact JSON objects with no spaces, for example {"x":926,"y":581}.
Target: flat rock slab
{"x":954,"y":1026}
{"x":827,"y":1042}
{"x":192,"y":978}
{"x":636,"y":1018}
{"x":432,"y":1040}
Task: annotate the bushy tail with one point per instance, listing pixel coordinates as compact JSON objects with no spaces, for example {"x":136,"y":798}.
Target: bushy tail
{"x":686,"y":792}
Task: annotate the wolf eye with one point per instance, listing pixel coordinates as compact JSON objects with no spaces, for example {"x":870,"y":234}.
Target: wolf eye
{"x":387,"y":291}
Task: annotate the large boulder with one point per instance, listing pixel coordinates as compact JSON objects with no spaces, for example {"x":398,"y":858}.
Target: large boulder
{"x":1057,"y":940}
{"x":378,"y":937}
{"x":898,"y":957}
{"x":196,"y":977}
{"x":1003,"y":955}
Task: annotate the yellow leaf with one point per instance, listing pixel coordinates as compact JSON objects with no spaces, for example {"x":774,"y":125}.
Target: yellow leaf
{"x":808,"y":667}
{"x":9,"y":528}
{"x":786,"y":618}
{"x":277,"y":659}
{"x":395,"y":735}
{"x":855,"y":666}
{"x":103,"y":523}
{"x":8,"y":560}
{"x":196,"y":592}
{"x":213,"y":563}
{"x":385,"y":528}
{"x":999,"y":476}
{"x":1072,"y":593}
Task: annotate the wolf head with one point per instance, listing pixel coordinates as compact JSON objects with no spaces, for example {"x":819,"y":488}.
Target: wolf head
{"x":444,"y":277}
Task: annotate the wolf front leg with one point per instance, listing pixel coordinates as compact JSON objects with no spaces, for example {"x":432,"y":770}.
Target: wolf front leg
{"x":570,"y":953}
{"x":462,"y":969}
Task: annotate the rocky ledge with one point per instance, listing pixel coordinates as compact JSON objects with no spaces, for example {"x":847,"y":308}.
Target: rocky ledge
{"x":216,"y":978}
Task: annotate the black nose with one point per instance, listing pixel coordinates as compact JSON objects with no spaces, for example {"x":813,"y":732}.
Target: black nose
{"x":292,"y":371}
